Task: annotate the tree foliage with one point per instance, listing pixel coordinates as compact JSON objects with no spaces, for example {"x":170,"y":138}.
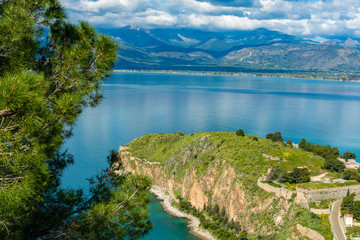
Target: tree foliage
{"x":240,"y":132}
{"x":330,"y":154}
{"x":349,"y":155}
{"x":351,"y":174}
{"x":334,"y":165}
{"x":347,"y":204}
{"x":275,"y":137}
{"x":298,"y":175}
{"x":327,"y":152}
{"x":50,"y":70}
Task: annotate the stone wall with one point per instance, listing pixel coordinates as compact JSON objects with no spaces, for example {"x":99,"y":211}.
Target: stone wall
{"x":279,"y":192}
{"x":328,"y":193}
{"x":309,"y":233}
{"x":320,"y":211}
{"x":304,"y":196}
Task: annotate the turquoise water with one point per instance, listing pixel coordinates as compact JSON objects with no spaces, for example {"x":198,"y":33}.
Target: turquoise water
{"x":166,"y":226}
{"x":135,"y":104}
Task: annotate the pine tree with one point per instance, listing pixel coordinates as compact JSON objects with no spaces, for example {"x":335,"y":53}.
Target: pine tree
{"x":50,"y":70}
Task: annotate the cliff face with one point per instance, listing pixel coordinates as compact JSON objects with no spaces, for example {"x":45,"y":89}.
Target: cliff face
{"x":223,"y":169}
{"x":214,"y":187}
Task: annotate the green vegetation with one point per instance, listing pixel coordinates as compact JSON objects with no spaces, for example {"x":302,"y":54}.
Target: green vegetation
{"x":240,"y":132}
{"x":214,"y":220}
{"x":330,"y":154}
{"x":320,"y":223}
{"x":322,"y":204}
{"x":50,"y":70}
{"x":353,"y":231}
{"x":327,"y":152}
{"x":321,"y":185}
{"x":275,"y":137}
{"x":199,"y":152}
{"x":350,"y":206}
{"x":298,"y":175}
{"x":349,"y":155}
{"x":272,"y":184}
{"x":351,"y":174}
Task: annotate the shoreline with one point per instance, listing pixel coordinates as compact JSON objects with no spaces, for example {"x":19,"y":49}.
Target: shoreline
{"x":292,"y":76}
{"x":194,"y":223}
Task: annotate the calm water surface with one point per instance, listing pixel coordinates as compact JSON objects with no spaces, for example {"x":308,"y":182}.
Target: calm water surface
{"x":135,"y":104}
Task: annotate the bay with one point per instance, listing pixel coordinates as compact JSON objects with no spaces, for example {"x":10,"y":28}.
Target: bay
{"x":135,"y":104}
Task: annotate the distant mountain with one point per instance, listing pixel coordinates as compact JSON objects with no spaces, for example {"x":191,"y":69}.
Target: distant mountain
{"x":348,"y":42}
{"x":259,"y":49}
{"x":296,"y":56}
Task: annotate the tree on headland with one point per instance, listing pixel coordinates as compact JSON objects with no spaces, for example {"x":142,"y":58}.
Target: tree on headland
{"x":269,"y":136}
{"x":275,"y":137}
{"x":240,"y":132}
{"x":298,"y":175}
{"x":349,"y":155}
{"x":50,"y":70}
{"x":334,"y":165}
{"x":351,"y":174}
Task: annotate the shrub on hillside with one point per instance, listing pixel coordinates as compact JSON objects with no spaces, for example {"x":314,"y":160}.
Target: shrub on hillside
{"x":351,"y":174}
{"x":240,"y":132}
{"x":275,"y":137}
{"x":334,"y":165}
{"x":349,"y":155}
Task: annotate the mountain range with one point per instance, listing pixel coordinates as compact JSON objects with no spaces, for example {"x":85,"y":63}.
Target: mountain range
{"x":255,"y":50}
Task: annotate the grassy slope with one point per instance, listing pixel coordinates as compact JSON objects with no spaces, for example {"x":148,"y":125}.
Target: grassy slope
{"x":244,"y":154}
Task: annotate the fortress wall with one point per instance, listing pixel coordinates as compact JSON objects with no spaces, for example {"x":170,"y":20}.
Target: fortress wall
{"x":279,"y":192}
{"x":328,"y":193}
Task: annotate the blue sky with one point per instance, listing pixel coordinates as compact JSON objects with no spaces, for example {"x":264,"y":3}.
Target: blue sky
{"x":305,"y":18}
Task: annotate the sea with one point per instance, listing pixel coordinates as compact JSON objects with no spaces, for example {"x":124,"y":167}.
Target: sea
{"x":139,"y":103}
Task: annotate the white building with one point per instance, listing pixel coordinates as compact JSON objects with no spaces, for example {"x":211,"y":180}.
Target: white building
{"x":348,"y":220}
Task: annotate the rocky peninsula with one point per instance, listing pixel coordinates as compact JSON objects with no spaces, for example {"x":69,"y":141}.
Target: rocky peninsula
{"x":215,"y":176}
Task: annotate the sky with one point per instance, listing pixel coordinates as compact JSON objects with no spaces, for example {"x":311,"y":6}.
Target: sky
{"x":304,"y":18}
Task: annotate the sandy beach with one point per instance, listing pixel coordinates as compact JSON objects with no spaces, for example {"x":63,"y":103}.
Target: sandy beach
{"x":194,"y":224}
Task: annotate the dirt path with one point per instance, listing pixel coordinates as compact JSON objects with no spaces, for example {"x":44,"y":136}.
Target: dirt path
{"x":317,"y":178}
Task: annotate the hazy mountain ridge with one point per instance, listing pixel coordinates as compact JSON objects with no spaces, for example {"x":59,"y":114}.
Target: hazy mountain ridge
{"x":259,"y":49}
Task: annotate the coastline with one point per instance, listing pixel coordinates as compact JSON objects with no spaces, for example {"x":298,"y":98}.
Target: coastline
{"x":194,"y":223}
{"x":293,"y":76}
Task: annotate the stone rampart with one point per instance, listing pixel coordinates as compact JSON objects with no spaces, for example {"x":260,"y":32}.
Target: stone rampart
{"x":320,"y":211}
{"x":305,"y":196}
{"x":328,"y":193}
{"x":279,"y":192}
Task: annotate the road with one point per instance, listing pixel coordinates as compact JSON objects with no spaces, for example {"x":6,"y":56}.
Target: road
{"x":334,"y":218}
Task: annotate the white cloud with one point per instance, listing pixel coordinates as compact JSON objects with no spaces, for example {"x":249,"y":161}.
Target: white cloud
{"x":106,"y":5}
{"x":302,"y":18}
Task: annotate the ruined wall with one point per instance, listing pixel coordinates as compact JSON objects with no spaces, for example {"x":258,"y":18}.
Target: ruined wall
{"x":279,"y":192}
{"x":304,"y":196}
{"x":320,"y":211}
{"x":328,"y":193}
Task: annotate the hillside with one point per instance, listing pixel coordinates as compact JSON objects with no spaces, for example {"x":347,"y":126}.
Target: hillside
{"x":259,"y":50}
{"x":209,"y":169}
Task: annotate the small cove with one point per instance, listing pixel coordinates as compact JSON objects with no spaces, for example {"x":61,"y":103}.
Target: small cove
{"x":166,"y":226}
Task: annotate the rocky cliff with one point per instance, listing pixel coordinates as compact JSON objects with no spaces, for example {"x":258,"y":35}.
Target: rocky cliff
{"x":197,"y":170}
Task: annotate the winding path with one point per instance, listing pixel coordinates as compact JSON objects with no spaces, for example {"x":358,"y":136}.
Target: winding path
{"x":335,"y":220}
